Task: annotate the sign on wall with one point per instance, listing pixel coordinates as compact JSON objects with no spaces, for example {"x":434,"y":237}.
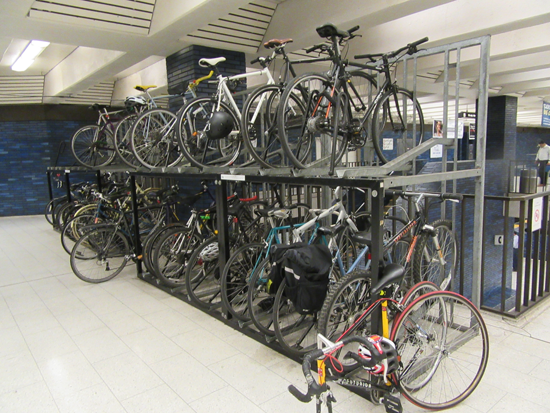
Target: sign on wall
{"x":546,"y":114}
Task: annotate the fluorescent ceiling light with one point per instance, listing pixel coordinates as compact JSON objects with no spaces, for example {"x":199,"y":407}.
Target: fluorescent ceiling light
{"x":31,"y":52}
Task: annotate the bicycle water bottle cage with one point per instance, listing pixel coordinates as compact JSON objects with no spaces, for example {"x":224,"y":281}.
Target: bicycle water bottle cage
{"x":179,"y":89}
{"x":273,"y":43}
{"x":330,"y":30}
{"x":211,"y":62}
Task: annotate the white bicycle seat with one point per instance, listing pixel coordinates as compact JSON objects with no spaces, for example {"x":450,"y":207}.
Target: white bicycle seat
{"x":211,"y":62}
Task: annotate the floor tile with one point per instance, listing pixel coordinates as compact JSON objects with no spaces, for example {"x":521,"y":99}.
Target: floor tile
{"x":171,"y":323}
{"x":36,"y":321}
{"x":151,"y":345}
{"x":78,"y":322}
{"x":18,"y":370}
{"x":227,"y":400}
{"x":127,"y":375}
{"x":50,"y":344}
{"x":243,"y":372}
{"x":68,"y":374}
{"x":100,"y":344}
{"x":26,"y":399}
{"x":188,"y":378}
{"x":205,"y":346}
{"x":514,"y":404}
{"x":124,"y":322}
{"x":161,"y":399}
{"x":93,"y":399}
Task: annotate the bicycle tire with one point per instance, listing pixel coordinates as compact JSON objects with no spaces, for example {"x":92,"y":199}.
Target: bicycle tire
{"x":442,"y":357}
{"x":74,"y":229}
{"x":296,"y":333}
{"x":153,"y":139}
{"x":93,"y":147}
{"x":191,"y":131}
{"x":423,"y":287}
{"x":172,"y":255}
{"x":202,"y":275}
{"x":387,"y":145}
{"x":123,"y":141}
{"x":345,"y":303}
{"x":426,"y":267}
{"x":300,"y":127}
{"x":259,"y":126}
{"x":235,"y":279}
{"x":259,"y":299}
{"x":151,"y":243}
{"x":100,"y":255}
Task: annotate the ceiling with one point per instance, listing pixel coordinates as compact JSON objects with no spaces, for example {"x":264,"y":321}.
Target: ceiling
{"x":100,"y":49}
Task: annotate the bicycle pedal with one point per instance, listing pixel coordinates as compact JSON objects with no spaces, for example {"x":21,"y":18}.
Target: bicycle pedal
{"x":392,"y":404}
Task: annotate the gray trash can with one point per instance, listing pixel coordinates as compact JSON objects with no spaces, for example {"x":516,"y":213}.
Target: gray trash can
{"x":528,"y":181}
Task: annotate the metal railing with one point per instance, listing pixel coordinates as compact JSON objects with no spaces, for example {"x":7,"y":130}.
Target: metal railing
{"x":515,"y":272}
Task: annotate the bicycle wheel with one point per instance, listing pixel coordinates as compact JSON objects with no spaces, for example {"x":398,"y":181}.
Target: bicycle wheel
{"x":200,"y":146}
{"x":172,"y":255}
{"x":260,"y":300}
{"x":423,"y":287}
{"x":307,"y":130}
{"x":295,"y":332}
{"x":123,"y":141}
{"x":397,"y":124}
{"x":433,"y":264}
{"x":345,"y":303}
{"x":100,"y":255}
{"x":75,"y":228}
{"x":259,"y":126}
{"x":151,"y":244}
{"x":202,"y":275}
{"x":235,"y":277}
{"x":93,"y":146}
{"x":443,"y":346}
{"x":153,"y":139}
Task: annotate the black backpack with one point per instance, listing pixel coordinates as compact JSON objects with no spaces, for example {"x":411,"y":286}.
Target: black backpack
{"x":305,"y":269}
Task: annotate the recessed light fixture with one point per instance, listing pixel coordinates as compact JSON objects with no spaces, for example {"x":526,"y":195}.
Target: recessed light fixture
{"x":31,"y":52}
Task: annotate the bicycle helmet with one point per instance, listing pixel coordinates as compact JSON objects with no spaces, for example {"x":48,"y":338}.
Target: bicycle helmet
{"x":210,"y":252}
{"x":132,"y":101}
{"x":219,"y":126}
{"x":386,"y":348}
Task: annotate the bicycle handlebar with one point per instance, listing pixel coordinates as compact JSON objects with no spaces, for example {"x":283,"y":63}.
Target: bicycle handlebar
{"x":314,"y":388}
{"x":315,"y":47}
{"x":411,"y":49}
{"x":444,"y":196}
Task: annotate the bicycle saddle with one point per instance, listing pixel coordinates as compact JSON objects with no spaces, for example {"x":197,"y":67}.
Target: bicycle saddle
{"x":179,"y":89}
{"x":211,"y":62}
{"x":329,"y":30}
{"x":144,"y":88}
{"x":270,"y":44}
{"x":97,"y":106}
{"x":392,"y":273}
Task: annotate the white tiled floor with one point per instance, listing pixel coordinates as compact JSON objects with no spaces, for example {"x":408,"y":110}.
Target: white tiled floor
{"x":125,"y":346}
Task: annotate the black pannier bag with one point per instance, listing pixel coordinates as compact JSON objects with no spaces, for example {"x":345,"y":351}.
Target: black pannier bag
{"x":306,"y":269}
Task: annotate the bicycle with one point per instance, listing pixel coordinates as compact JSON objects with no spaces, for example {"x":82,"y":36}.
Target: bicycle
{"x":258,"y":121}
{"x":152,"y":135}
{"x":337,"y":112}
{"x":103,"y":250}
{"x":93,"y":146}
{"x":435,"y":356}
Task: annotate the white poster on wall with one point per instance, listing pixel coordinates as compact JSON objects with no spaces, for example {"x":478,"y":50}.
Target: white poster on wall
{"x":536,"y":216}
{"x":437,"y":132}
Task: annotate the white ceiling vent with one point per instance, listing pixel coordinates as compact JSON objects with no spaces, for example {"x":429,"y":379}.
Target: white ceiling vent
{"x":130,"y":16}
{"x":21,"y":89}
{"x":100,"y":93}
{"x":244,"y":27}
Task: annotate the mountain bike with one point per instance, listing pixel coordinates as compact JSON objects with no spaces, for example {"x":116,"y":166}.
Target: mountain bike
{"x":337,"y":113}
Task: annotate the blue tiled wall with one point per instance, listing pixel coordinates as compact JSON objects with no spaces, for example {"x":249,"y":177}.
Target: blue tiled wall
{"x":27,"y":148}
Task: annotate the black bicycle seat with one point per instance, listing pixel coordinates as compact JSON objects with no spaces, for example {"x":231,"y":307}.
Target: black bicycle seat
{"x":329,"y":30}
